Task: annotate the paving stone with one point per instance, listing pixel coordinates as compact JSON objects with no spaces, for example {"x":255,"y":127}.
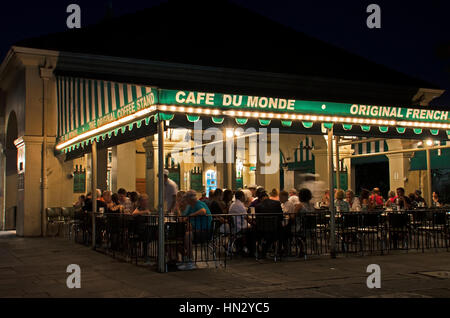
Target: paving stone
{"x":36,"y":267}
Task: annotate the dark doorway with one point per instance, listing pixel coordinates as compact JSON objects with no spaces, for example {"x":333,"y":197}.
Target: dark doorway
{"x":441,"y":184}
{"x":10,"y":216}
{"x":372,"y":175}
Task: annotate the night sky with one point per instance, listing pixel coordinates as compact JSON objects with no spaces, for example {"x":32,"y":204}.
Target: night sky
{"x":408,"y":41}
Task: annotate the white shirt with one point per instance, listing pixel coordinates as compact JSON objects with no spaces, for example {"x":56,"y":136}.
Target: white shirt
{"x":355,"y":206}
{"x":288,"y":208}
{"x":170,"y":190}
{"x":237,"y":207}
{"x":294,"y":199}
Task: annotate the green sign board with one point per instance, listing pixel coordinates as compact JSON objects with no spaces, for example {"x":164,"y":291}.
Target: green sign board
{"x":262,"y":103}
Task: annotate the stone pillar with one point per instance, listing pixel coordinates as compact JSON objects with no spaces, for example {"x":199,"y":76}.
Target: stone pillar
{"x":321,"y":164}
{"x":28,"y":195}
{"x":289,"y":179}
{"x":268,"y":181}
{"x":268,"y":165}
{"x":2,"y":187}
{"x":398,"y":169}
{"x":399,"y":163}
{"x":343,"y":152}
{"x":123,"y":172}
{"x":88,"y":172}
{"x":320,"y":153}
{"x":151,"y":175}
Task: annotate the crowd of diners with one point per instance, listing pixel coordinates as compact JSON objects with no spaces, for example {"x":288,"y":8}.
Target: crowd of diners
{"x":234,"y":211}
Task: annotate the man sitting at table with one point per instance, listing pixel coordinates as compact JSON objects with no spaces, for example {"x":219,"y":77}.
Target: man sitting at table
{"x":402,"y":200}
{"x":198,"y":228}
{"x":100,"y":203}
{"x":142,"y":206}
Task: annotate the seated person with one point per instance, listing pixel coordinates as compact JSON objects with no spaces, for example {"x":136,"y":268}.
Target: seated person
{"x":199,"y":226}
{"x":239,"y":212}
{"x":142,"y":206}
{"x":340,"y":204}
{"x":268,"y":227}
{"x":101,"y":205}
{"x":402,"y":200}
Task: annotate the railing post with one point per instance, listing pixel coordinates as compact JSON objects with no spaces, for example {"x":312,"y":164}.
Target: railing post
{"x":331,"y":187}
{"x":429,"y":184}
{"x":161,"y":237}
{"x":94,"y":188}
{"x":338,"y":165}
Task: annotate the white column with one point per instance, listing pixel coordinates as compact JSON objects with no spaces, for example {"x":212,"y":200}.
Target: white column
{"x":123,"y":171}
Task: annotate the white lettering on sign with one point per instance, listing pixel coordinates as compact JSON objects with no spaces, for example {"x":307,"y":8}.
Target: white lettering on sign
{"x":180,"y":97}
{"x":396,"y":112}
{"x":235,"y":100}
{"x":209,"y":99}
{"x":275,"y":103}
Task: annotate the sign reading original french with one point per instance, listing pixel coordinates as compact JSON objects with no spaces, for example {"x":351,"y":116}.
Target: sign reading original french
{"x":397,"y":112}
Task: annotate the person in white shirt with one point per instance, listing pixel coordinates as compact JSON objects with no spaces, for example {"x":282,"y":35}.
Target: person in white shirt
{"x":287,"y":206}
{"x":252,"y":188}
{"x":239,"y":212}
{"x":170,"y":193}
{"x":353,"y":201}
{"x":293,"y":196}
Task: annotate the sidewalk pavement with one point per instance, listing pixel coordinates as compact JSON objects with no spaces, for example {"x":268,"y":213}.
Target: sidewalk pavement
{"x":36,"y":267}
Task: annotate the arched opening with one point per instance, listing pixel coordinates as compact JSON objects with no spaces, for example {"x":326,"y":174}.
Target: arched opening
{"x":10,"y":213}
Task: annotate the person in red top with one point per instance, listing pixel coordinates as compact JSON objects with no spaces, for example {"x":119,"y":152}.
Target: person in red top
{"x":391,"y":198}
{"x":376,"y":198}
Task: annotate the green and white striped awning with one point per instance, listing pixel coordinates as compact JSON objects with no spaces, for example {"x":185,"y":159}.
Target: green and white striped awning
{"x":304,"y":152}
{"x":84,"y":104}
{"x":370,"y":147}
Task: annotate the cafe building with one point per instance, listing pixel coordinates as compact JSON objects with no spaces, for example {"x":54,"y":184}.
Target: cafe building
{"x":111,"y":105}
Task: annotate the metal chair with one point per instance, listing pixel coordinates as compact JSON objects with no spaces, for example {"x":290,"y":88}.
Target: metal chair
{"x":398,"y":230}
{"x":433,"y":228}
{"x":371,"y":231}
{"x":348,"y":231}
{"x":54,"y":219}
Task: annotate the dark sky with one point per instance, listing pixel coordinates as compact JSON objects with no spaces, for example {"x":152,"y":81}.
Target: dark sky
{"x":410,"y":31}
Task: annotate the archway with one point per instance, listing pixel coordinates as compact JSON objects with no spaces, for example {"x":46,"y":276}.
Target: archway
{"x":11,"y":179}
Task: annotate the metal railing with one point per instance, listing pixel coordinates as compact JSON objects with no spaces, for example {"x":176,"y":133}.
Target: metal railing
{"x":221,"y":238}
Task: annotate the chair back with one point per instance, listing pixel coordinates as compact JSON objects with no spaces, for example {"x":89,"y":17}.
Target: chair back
{"x":370,"y":220}
{"x":53,"y":214}
{"x":398,"y":220}
{"x":439,"y":218}
{"x":350,"y":220}
{"x":268,"y":223}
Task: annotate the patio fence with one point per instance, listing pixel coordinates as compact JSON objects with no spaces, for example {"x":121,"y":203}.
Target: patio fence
{"x":219,"y":239}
